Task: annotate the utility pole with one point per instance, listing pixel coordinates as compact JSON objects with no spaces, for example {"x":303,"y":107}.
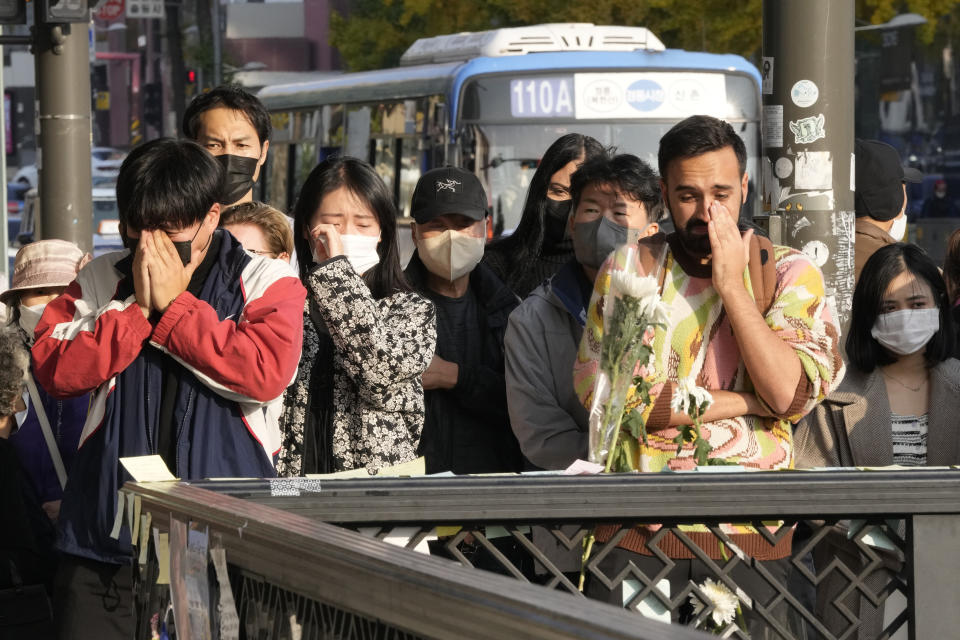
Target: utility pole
{"x":63,"y":92}
{"x":808,"y":118}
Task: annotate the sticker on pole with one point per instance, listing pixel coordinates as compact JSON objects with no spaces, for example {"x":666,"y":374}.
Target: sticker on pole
{"x":773,"y":125}
{"x":804,"y":93}
{"x":767,"y":83}
{"x":817,"y":251}
{"x":783,"y":168}
{"x":808,"y":130}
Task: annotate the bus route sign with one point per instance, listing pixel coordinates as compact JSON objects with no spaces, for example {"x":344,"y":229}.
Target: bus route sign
{"x":547,"y":97}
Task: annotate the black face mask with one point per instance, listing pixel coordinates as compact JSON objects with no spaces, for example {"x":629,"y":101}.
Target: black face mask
{"x":238,"y":176}
{"x":184,"y":247}
{"x":555,"y":221}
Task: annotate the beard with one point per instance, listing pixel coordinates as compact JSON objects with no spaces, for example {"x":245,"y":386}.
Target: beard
{"x":696,"y":244}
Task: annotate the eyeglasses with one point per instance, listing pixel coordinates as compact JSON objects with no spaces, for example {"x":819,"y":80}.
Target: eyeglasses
{"x":263,"y":252}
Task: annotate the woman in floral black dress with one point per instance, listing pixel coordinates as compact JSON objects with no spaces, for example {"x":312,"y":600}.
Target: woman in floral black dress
{"x":357,"y":401}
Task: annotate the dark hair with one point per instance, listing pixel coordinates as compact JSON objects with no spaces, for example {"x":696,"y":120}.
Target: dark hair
{"x":527,"y":240}
{"x":628,"y":173}
{"x":863,"y":350}
{"x":951,"y":266}
{"x":229,"y":96}
{"x":362,"y":181}
{"x":698,"y":135}
{"x":167,"y":184}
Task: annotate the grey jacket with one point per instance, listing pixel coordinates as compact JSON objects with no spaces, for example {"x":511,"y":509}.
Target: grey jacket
{"x":540,"y":349}
{"x":851,"y":427}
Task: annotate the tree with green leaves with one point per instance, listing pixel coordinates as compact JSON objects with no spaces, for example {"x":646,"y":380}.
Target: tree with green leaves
{"x":375,"y":33}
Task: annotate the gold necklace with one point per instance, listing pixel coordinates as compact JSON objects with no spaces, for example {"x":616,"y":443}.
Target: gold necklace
{"x":905,"y":386}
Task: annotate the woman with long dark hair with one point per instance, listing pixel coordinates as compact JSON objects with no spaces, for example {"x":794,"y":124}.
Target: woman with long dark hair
{"x":540,"y":246}
{"x":357,"y":401}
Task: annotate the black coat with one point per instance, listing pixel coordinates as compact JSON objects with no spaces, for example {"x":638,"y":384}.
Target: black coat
{"x":467,"y":428}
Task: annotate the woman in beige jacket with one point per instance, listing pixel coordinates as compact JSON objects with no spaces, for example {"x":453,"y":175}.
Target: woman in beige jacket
{"x":899,"y":400}
{"x":897,"y":405}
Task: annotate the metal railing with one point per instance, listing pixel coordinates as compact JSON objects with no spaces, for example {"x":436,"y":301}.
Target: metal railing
{"x":863,"y":536}
{"x":298,"y":577}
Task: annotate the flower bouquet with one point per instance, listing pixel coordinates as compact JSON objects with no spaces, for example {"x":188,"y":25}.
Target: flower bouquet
{"x":631,"y":314}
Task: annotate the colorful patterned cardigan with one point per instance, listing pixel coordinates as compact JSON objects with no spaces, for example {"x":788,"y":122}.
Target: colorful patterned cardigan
{"x":698,"y":342}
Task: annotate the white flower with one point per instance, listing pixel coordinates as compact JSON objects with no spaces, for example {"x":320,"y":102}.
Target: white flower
{"x":680,"y":402}
{"x":701,"y":397}
{"x":688,"y":397}
{"x":723,"y":600}
{"x":639,"y":287}
{"x":660,"y":314}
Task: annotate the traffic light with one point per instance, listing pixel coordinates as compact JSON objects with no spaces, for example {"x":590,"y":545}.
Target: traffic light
{"x":191,"y":83}
{"x":61,"y":11}
{"x":13,"y":12}
{"x":153,"y":105}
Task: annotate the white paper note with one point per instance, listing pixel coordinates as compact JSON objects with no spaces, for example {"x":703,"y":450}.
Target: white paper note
{"x":147,"y":468}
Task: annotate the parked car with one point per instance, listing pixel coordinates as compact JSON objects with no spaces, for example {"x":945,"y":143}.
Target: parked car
{"x":106,"y":221}
{"x":104,"y":165}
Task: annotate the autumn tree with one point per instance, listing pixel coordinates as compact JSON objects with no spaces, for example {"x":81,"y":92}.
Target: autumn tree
{"x":377,"y":32}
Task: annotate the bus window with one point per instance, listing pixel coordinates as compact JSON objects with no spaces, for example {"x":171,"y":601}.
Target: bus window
{"x":384,"y":160}
{"x":277,"y":195}
{"x":331,"y":129}
{"x":409,"y":173}
{"x":358,"y":132}
{"x":305,"y":160}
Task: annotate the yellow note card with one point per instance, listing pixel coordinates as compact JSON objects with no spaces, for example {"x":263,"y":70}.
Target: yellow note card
{"x":161,"y":543}
{"x":147,"y":468}
{"x":416,"y":467}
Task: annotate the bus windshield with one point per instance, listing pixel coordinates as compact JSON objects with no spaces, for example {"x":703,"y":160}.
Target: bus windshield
{"x":508,"y":121}
{"x":508,"y":155}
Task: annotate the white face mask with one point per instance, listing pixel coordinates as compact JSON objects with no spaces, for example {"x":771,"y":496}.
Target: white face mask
{"x":907,"y":331}
{"x":29,"y":317}
{"x":899,"y":228}
{"x":451,"y":254}
{"x":360,"y":251}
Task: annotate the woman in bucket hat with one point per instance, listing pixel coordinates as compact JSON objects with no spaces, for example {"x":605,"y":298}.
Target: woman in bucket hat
{"x":48,"y":430}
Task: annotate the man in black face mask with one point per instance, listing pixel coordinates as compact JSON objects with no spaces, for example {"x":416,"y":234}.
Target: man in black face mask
{"x":233,"y":125}
{"x":616,"y":200}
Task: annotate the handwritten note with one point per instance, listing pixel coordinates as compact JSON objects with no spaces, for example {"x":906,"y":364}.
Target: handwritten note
{"x":147,"y":468}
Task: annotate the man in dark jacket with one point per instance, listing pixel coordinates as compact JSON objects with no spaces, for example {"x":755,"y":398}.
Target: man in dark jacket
{"x":880,"y":199}
{"x":616,"y":200}
{"x":466,"y":428}
{"x":183,"y":340}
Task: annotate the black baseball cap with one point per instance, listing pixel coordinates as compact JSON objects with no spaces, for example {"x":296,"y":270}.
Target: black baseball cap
{"x":448,"y":190}
{"x":880,"y":176}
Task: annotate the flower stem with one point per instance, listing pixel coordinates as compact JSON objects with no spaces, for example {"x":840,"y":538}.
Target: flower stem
{"x":614,"y":382}
{"x":588,"y":544}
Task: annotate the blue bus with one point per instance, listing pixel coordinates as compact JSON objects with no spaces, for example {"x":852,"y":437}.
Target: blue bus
{"x":493,"y":101}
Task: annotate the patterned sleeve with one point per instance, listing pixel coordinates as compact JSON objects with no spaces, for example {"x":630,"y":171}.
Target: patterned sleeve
{"x":384,"y":343}
{"x":801,"y":317}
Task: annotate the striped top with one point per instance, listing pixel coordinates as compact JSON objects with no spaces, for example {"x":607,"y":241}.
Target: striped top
{"x":909,"y":439}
